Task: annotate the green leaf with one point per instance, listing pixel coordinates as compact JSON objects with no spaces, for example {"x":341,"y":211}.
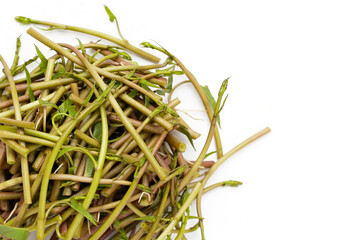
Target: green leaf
{"x":63,"y":108}
{"x":211,"y":99}
{"x":77,"y":206}
{"x":174,"y":161}
{"x":169,"y":83}
{"x":209,"y":96}
{"x":66,"y":184}
{"x":72,"y":111}
{"x":89,"y":168}
{"x":91,"y":59}
{"x":28,"y":81}
{"x":82,"y":47}
{"x":14,"y":233}
{"x":88,"y":97}
{"x":117,"y":85}
{"x":133,"y":93}
{"x":147,"y":101}
{"x":141,"y":163}
{"x":147,"y":218}
{"x":144,"y":188}
{"x":187,"y":134}
{"x":129,"y":76}
{"x":97,"y":131}
{"x":68,"y":149}
{"x":147,"y":83}
{"x":20,"y":68}
{"x":72,"y":170}
{"x":210,"y":153}
{"x":169,"y":110}
{"x":68,"y":107}
{"x":174,"y":72}
{"x":160,"y":92}
{"x":103,"y":186}
{"x":123,"y":234}
{"x":60,"y":72}
{"x":45,"y":103}
{"x":44,"y":61}
{"x":107,"y":90}
{"x":111,"y":15}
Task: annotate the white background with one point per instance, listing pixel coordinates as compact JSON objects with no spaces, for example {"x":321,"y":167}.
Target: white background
{"x":294,"y":66}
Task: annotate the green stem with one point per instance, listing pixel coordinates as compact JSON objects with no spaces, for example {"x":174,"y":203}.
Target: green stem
{"x":25,"y":138}
{"x":16,"y":57}
{"x":159,"y":212}
{"x":28,"y":106}
{"x":202,"y":96}
{"x":121,"y":205}
{"x":87,"y":138}
{"x":93,"y":71}
{"x":97,"y":175}
{"x":50,"y":163}
{"x":180,"y":212}
{"x":217,"y":164}
{"x":17,"y":123}
{"x":23,"y":159}
{"x":23,"y":151}
{"x":48,"y":76}
{"x":42,"y":135}
{"x":120,"y":42}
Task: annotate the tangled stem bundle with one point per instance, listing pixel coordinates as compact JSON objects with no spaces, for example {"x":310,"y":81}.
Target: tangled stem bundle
{"x":89,"y":149}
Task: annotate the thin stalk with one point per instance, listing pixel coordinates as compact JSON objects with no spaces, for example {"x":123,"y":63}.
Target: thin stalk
{"x":180,"y":212}
{"x":42,"y":135}
{"x":97,"y":62}
{"x":48,"y":76}
{"x":120,"y":42}
{"x":97,"y":175}
{"x":181,"y":232}
{"x":218,"y":163}
{"x":46,"y":85}
{"x":11,"y":135}
{"x":23,"y":159}
{"x":10,"y":195}
{"x":56,"y":185}
{"x":10,"y":155}
{"x":17,"y":123}
{"x":121,"y":115}
{"x":203,"y":98}
{"x":87,"y":138}
{"x":100,"y":71}
{"x":159,"y":212}
{"x":38,"y":161}
{"x":50,"y":163}
{"x":27,"y":107}
{"x":121,"y":205}
{"x":175,"y":142}
{"x":146,"y":111}
{"x":16,"y":57}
